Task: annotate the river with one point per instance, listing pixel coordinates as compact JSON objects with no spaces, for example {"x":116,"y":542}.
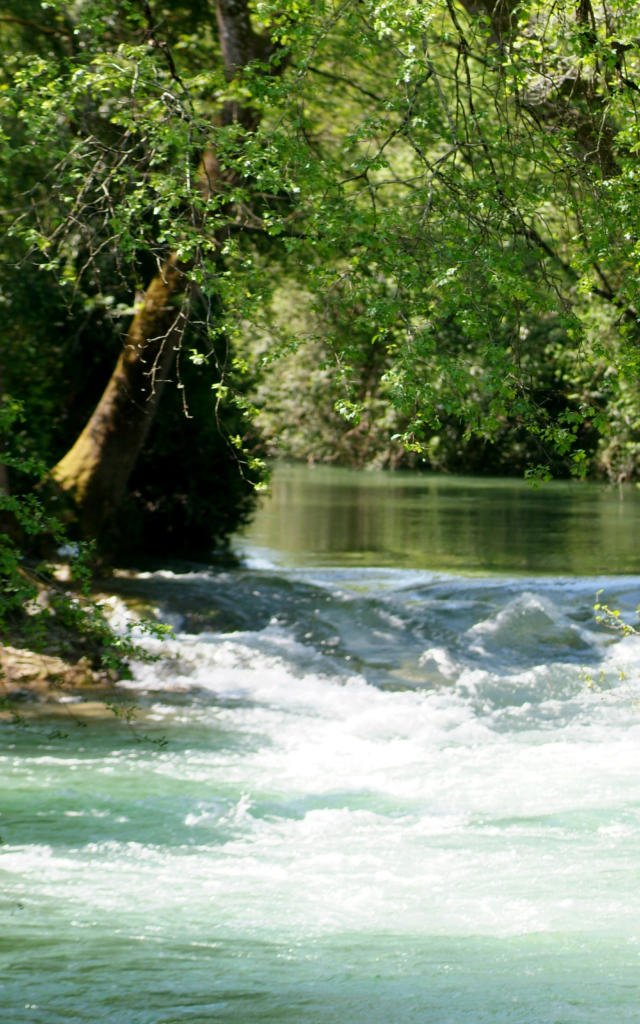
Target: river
{"x":386,"y":772}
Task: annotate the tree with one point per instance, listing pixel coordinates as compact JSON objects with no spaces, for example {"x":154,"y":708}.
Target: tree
{"x":95,"y":471}
{"x":490,"y":184}
{"x":122,"y":115}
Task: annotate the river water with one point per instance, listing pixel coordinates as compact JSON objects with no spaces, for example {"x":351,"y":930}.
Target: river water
{"x":387,"y":771}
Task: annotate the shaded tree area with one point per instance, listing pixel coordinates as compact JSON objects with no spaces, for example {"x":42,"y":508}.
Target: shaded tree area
{"x":91,"y":278}
{"x":187,"y":491}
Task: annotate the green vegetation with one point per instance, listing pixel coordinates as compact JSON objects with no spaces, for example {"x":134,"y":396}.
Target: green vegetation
{"x":370,"y":232}
{"x":42,"y":608}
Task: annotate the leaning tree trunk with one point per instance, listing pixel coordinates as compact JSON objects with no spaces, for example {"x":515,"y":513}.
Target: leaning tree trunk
{"x":95,"y":471}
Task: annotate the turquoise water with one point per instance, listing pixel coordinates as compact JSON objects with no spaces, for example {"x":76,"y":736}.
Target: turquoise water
{"x":386,"y":790}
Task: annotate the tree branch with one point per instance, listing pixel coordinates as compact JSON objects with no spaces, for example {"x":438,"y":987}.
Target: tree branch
{"x":332,"y":77}
{"x":44,"y":29}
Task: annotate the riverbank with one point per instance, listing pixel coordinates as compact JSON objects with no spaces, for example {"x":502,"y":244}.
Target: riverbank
{"x":58,"y":648}
{"x":33,"y":683}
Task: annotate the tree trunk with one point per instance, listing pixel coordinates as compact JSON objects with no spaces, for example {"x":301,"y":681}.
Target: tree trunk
{"x":95,"y":471}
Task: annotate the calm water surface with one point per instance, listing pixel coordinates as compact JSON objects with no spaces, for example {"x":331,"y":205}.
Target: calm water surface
{"x":400,"y":780}
{"x":467,"y":524}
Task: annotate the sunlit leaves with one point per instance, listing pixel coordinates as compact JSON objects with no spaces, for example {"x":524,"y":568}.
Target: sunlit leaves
{"x":455,"y":195}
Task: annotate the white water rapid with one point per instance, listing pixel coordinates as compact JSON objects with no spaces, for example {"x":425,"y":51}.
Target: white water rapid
{"x":386,"y":796}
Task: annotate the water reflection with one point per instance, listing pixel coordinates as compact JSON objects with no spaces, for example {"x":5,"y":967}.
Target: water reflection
{"x":323,"y":515}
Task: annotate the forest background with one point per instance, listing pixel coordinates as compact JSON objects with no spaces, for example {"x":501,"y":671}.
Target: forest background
{"x":372,"y":233}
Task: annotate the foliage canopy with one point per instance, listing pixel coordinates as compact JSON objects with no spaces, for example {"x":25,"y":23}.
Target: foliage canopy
{"x":447,"y":190}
